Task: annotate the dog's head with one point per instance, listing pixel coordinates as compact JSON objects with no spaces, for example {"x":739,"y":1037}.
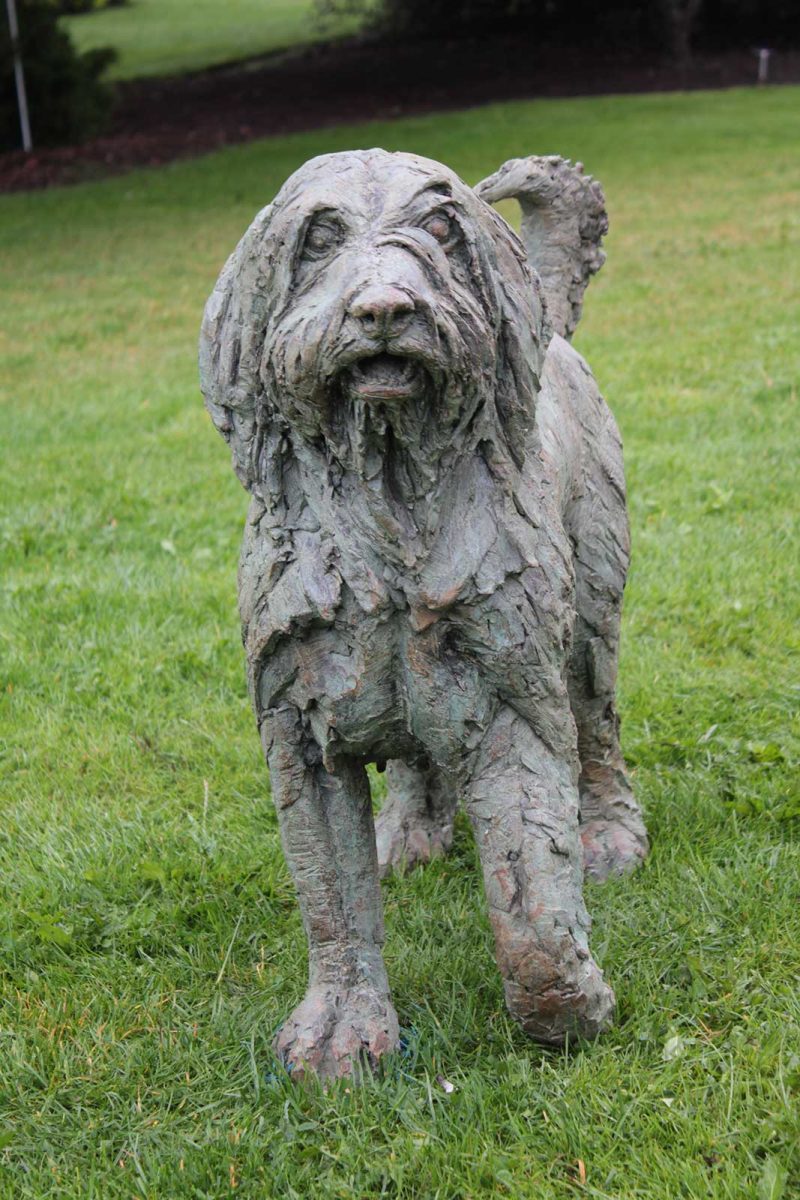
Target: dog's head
{"x":377,"y":290}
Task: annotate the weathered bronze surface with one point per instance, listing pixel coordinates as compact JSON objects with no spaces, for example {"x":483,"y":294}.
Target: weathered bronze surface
{"x":432,"y":568}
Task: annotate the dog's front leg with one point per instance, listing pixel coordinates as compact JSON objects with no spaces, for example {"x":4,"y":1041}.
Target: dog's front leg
{"x":346,"y":1019}
{"x":523,"y":803}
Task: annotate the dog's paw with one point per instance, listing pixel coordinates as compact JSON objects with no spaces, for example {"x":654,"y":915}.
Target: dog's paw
{"x":613,"y":847}
{"x":580,"y":1005}
{"x":334,"y":1033}
{"x":406,"y":842}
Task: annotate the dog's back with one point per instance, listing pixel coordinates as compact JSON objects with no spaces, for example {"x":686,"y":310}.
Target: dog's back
{"x":564,"y":220}
{"x":563,"y":223}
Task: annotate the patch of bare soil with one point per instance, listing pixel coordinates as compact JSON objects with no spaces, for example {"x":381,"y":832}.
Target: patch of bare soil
{"x":160,"y":120}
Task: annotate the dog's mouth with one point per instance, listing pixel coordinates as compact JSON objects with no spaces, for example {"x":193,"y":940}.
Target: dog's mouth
{"x":386,"y":377}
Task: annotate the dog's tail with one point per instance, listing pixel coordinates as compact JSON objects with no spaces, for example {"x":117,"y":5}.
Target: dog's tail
{"x":563,"y":223}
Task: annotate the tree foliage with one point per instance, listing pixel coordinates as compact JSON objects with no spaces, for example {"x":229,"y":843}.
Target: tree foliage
{"x":671,"y":25}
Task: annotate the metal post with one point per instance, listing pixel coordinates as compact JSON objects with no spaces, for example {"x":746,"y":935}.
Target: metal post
{"x":19,"y":77}
{"x":763,"y":64}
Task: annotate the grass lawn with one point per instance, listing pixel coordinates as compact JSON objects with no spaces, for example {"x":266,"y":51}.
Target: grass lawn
{"x":168,"y":37}
{"x":149,"y":938}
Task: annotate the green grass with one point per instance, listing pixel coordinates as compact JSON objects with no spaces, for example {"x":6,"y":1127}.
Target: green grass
{"x":168,"y":37}
{"x":150,"y":939}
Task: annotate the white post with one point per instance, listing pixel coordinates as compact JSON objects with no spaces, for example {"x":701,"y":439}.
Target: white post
{"x":19,"y":77}
{"x":763,"y":65}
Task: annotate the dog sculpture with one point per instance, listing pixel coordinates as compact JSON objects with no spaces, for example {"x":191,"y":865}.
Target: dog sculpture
{"x":432,"y":568}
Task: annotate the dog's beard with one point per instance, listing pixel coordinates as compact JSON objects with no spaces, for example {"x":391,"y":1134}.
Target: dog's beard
{"x":394,"y":420}
{"x":390,"y":450}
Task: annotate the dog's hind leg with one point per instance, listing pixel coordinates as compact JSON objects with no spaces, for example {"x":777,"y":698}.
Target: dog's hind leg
{"x":523,"y":804}
{"x":415,"y":823}
{"x":612,"y":829}
{"x":346,"y":1020}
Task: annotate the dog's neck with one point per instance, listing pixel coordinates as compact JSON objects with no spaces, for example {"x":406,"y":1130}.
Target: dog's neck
{"x":400,"y":501}
{"x":484,"y":522}
{"x":388,"y":501}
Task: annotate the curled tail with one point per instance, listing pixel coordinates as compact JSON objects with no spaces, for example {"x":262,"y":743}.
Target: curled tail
{"x":563,"y":223}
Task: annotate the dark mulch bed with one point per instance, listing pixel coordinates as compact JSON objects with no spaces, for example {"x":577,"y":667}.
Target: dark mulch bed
{"x":159,"y":120}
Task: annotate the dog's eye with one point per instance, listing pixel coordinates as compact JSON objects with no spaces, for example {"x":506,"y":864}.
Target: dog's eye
{"x":321,"y":237}
{"x":444,"y":228}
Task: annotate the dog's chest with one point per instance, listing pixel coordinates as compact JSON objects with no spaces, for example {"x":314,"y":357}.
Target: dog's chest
{"x":382,"y":687}
{"x":387,"y":651}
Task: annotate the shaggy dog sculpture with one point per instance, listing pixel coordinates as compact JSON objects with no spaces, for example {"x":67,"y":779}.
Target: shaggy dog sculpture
{"x":432,"y":568}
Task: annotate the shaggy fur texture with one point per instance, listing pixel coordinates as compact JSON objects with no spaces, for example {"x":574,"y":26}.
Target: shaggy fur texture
{"x":432,"y":567}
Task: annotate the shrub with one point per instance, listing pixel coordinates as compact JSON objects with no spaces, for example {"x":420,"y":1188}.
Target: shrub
{"x":73,"y":7}
{"x":66,"y":96}
{"x":429,"y":17}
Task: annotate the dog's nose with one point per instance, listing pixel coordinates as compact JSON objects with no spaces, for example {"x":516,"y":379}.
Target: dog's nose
{"x":383,"y":311}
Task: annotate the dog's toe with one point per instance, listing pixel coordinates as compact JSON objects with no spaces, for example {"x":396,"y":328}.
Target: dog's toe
{"x":334,"y":1033}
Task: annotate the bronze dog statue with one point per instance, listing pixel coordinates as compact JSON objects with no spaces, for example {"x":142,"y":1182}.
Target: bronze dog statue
{"x":432,"y":569}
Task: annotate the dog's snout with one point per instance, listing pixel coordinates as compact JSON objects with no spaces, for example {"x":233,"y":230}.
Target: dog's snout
{"x":383,"y":311}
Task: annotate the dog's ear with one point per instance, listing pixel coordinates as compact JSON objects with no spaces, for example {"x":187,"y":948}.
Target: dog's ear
{"x":231,"y":345}
{"x":524,"y":332}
